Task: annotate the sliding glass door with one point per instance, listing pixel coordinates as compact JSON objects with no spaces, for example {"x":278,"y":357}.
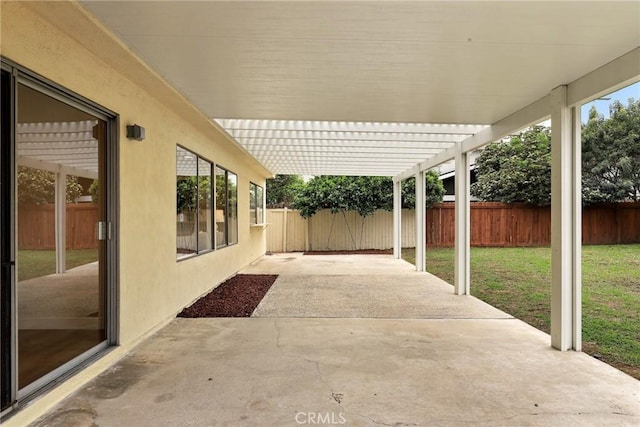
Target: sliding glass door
{"x":6,"y":243}
{"x":57,"y":291}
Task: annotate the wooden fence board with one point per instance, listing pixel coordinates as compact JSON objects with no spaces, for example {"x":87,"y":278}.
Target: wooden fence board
{"x":36,"y":227}
{"x":492,"y":224}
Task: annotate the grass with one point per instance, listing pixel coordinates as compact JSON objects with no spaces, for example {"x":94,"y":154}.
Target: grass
{"x":36,"y":263}
{"x":517,"y":281}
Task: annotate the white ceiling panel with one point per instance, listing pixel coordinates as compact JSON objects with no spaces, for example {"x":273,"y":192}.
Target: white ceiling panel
{"x":287,"y":64}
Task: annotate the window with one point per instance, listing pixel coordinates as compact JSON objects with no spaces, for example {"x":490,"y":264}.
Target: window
{"x":226,"y":207}
{"x":205,"y":196}
{"x":194,"y":201}
{"x":232,"y":223}
{"x":256,"y":204}
{"x":221,"y":207}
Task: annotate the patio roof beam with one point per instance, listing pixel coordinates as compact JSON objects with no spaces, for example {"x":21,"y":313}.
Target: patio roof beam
{"x":57,"y":168}
{"x":531,"y":114}
{"x":615,"y":75}
{"x":359,"y":158}
{"x":527,"y":116}
{"x":438,"y":159}
{"x":340,"y":172}
{"x":323,"y":143}
{"x":303,"y":125}
{"x":269,"y":135}
{"x":610,"y":77}
{"x":331,"y":151}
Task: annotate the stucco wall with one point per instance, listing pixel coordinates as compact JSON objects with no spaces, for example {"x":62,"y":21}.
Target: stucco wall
{"x":65,"y":44}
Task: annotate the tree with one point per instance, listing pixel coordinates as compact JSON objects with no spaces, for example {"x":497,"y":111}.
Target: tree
{"x":282,"y":190}
{"x":187,"y":194}
{"x":611,"y":154}
{"x":363,"y":194}
{"x":94,"y":191}
{"x":517,"y":170}
{"x":434,"y":190}
{"x":38,"y":187}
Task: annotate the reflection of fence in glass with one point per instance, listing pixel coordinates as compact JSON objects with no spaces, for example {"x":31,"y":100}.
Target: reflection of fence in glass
{"x":186,"y":232}
{"x":36,"y":226}
{"x":190,"y":237}
{"x":256,"y":204}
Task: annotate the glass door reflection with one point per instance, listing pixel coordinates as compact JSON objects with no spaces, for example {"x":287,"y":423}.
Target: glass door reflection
{"x":60,"y":262}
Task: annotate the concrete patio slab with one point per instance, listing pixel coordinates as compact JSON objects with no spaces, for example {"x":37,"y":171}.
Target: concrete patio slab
{"x":354,"y":372}
{"x":360,"y":286}
{"x":458,"y":363}
{"x":297,"y":263}
{"x":415,"y":296}
{"x":73,"y":293}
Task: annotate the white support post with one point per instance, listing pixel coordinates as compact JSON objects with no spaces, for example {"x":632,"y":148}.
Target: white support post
{"x":566,"y":218}
{"x":577,"y":228}
{"x":421,"y":236}
{"x":397,"y":219}
{"x":462,"y":269}
{"x":61,"y":222}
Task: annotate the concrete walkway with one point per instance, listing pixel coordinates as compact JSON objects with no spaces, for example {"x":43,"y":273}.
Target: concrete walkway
{"x":354,"y":358}
{"x":360,"y":286}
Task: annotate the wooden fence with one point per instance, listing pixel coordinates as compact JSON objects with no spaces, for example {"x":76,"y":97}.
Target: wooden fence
{"x":492,"y":224}
{"x":498,"y":224}
{"x":36,"y":226}
{"x":289,"y":232}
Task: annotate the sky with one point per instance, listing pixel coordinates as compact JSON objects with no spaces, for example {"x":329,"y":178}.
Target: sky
{"x":602,"y":105}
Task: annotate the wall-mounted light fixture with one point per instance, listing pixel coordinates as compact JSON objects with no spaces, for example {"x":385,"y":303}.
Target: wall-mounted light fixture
{"x":135,"y":132}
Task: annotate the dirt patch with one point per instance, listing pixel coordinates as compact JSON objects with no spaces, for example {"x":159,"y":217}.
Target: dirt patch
{"x":236,"y":297}
{"x":592,"y":350}
{"x":358,"y":252}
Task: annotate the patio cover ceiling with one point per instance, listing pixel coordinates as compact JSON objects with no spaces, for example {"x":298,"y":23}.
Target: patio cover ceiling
{"x":367,"y":88}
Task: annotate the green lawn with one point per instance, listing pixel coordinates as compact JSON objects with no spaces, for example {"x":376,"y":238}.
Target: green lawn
{"x":517,"y":280}
{"x":36,"y":263}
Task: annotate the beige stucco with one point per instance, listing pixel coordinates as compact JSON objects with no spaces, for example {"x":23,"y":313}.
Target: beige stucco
{"x":65,"y":44}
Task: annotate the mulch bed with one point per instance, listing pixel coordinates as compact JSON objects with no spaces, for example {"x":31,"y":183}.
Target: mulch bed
{"x":360,"y":252}
{"x":236,"y":297}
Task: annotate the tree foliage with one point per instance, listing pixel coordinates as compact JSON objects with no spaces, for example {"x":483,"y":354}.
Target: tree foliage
{"x":363,"y":194}
{"x":94,"y":191}
{"x":434,"y":189}
{"x":518,"y":170}
{"x":282,"y":190}
{"x":38,"y":187}
{"x":611,"y":154}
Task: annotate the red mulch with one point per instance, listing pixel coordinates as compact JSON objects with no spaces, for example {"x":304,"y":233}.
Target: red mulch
{"x":236,"y":297}
{"x":359,"y":252}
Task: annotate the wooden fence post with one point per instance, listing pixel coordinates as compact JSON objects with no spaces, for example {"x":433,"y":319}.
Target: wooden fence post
{"x":284,"y":230}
